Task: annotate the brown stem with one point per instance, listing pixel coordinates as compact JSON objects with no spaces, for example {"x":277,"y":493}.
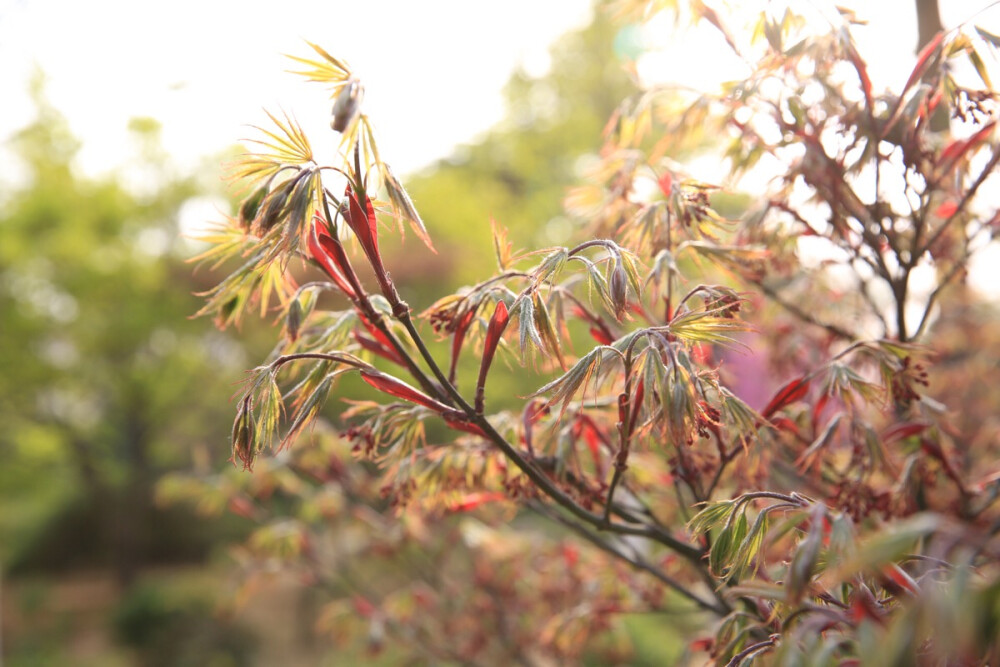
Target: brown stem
{"x":539,"y":478}
{"x":624,"y":429}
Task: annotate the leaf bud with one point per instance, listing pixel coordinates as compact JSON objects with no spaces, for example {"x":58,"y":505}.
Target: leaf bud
{"x":618,"y":289}
{"x":250,"y":207}
{"x":293,"y":321}
{"x":244,"y":435}
{"x":271,"y":210}
{"x":348,"y":105}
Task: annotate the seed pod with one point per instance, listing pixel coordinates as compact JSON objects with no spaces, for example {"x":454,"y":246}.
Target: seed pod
{"x":347,"y":106}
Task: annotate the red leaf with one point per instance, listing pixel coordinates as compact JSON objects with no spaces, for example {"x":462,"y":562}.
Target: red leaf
{"x":376,"y":333}
{"x":457,"y":339}
{"x":587,"y":429}
{"x":362,"y":221}
{"x":463,"y":425}
{"x":400,"y":389}
{"x":600,"y":336}
{"x":896,"y":575}
{"x":791,"y":392}
{"x":376,"y":347}
{"x":363,"y":606}
{"x":473,"y":500}
{"x":818,"y":408}
{"x":590,"y":436}
{"x":364,"y":225}
{"x":923,"y":59}
{"x":242,"y":506}
{"x":863,"y":606}
{"x":571,"y":555}
{"x":666,"y":183}
{"x":859,"y":65}
{"x":902,"y":431}
{"x":702,"y":644}
{"x":702,"y":353}
{"x":534,"y":411}
{"x":493,"y":334}
{"x":640,"y":392}
{"x":946,"y":209}
{"x":330,"y":256}
{"x":954,"y":151}
{"x":785,"y":424}
{"x":598,"y":330}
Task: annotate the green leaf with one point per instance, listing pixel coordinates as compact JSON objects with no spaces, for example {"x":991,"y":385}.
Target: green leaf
{"x":721,"y":557}
{"x":980,"y":66}
{"x":549,"y":268}
{"x":300,"y":207}
{"x":710,"y":516}
{"x":307,"y":410}
{"x":564,"y":387}
{"x":330,"y":70}
{"x":803,"y":564}
{"x":526,"y":324}
{"x":698,"y":327}
{"x":544,"y":325}
{"x":890,"y":544}
{"x":989,"y":37}
{"x":750,"y":547}
{"x":806,"y":458}
{"x":757,"y":589}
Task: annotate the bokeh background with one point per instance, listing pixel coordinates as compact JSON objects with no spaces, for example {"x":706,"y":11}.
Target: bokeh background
{"x":117,"y":120}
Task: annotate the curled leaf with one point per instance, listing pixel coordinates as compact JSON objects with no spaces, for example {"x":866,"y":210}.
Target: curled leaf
{"x":459,"y":423}
{"x":329,"y":254}
{"x":377,"y":348}
{"x":403,"y":206}
{"x":361,"y":219}
{"x":461,"y":327}
{"x":399,"y":389}
{"x":493,"y":334}
{"x":788,"y":394}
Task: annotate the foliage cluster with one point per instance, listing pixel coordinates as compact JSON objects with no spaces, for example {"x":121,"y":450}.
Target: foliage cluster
{"x":848,"y":517}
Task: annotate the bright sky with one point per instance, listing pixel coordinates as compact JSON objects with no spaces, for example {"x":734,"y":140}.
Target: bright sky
{"x":433,"y":69}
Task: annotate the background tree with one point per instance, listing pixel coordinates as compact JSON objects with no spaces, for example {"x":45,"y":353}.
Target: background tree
{"x":99,"y":359}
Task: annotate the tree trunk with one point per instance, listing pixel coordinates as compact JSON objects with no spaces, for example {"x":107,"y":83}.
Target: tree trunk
{"x":928,"y":22}
{"x":929,"y":25}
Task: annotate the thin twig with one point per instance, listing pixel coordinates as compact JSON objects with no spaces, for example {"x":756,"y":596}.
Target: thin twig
{"x":719,"y":607}
{"x":802,"y":314}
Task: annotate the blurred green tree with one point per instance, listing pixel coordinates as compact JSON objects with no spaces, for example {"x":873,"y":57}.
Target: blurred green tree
{"x":519,"y":171}
{"x":105,"y":382}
